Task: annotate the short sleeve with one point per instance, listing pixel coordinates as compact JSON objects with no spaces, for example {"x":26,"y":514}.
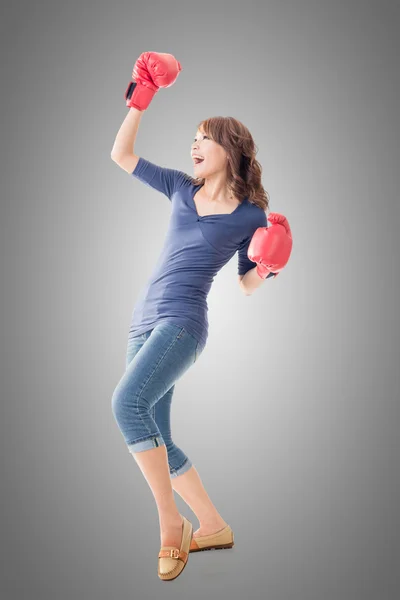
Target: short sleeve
{"x":165,"y":180}
{"x":244,"y":263}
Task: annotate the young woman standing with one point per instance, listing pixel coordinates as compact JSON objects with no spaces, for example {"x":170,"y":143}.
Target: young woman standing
{"x":214,"y":215}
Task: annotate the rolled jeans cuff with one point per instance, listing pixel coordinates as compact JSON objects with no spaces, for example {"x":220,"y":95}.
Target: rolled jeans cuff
{"x":185,"y":467}
{"x":146,"y":444}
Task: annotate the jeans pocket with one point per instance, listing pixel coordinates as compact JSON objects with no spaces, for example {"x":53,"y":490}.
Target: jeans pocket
{"x":190,"y":340}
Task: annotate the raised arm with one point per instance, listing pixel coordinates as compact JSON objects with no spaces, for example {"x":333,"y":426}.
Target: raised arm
{"x":152,"y":70}
{"x":123,"y":150}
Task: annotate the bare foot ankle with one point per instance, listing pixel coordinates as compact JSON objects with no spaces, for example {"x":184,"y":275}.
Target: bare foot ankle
{"x":209,"y":529}
{"x":171,"y":534}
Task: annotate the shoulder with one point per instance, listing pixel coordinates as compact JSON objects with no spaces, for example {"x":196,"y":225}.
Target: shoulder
{"x":257,"y":215}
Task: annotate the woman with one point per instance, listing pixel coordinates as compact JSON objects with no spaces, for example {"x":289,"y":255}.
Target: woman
{"x":214,"y":215}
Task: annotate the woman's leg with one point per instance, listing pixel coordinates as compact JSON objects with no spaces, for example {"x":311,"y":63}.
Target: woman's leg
{"x":178,"y":462}
{"x":190,"y":487}
{"x":185,"y":478}
{"x":161,"y":360}
{"x":154,"y":466}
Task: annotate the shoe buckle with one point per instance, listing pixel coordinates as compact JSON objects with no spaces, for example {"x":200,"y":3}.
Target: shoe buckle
{"x":174,"y":553}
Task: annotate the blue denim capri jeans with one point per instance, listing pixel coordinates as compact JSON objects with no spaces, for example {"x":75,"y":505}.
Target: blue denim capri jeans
{"x":141,"y":402}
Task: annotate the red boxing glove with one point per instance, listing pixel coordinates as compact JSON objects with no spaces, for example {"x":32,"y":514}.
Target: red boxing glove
{"x":152,"y":70}
{"x":270,"y":247}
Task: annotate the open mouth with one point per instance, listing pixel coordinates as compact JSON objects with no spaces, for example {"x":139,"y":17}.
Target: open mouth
{"x":197,"y":161}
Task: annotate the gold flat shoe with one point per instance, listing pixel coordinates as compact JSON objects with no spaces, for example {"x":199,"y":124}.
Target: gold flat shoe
{"x":218,"y":540}
{"x":172,"y":560}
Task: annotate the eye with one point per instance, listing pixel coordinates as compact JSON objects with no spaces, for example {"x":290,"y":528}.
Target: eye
{"x":204,"y":136}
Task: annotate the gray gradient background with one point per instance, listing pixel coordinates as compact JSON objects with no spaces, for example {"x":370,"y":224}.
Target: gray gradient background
{"x":291,"y":414}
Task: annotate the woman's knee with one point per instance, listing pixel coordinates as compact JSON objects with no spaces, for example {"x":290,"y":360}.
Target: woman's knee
{"x":126,"y":403}
{"x":117,"y":403}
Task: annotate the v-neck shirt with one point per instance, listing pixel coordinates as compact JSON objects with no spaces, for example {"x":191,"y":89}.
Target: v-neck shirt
{"x":196,"y":189}
{"x":195,"y":249}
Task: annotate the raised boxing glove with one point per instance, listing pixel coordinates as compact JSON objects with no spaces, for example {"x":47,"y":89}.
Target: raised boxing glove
{"x":151,"y":71}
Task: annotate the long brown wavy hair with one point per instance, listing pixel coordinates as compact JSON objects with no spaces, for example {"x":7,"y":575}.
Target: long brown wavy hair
{"x":243,"y":170}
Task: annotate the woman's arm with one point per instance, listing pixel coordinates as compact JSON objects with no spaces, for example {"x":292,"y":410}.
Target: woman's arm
{"x":250,"y":281}
{"x":125,"y":141}
{"x":127,"y":162}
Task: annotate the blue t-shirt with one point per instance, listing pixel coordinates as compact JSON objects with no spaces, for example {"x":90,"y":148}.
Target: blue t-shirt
{"x":195,"y":249}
